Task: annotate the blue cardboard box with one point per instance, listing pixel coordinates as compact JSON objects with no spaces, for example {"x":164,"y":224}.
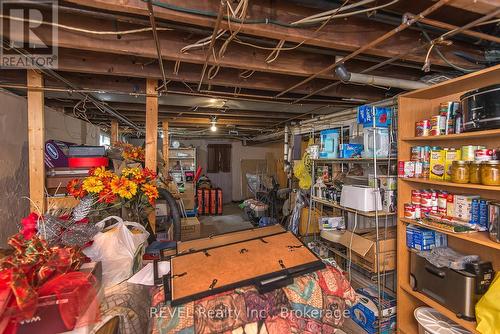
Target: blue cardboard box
{"x":423,"y":239}
{"x":348,"y":151}
{"x":365,"y":313}
{"x":383,"y":116}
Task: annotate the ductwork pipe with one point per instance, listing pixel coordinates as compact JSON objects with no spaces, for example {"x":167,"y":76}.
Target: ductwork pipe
{"x":366,"y":79}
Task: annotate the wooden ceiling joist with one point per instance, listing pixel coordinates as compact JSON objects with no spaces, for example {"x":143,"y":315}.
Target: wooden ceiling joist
{"x":347,"y":34}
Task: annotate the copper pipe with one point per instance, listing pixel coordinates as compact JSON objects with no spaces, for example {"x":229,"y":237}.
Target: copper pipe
{"x":157,"y":43}
{"x":447,"y":26}
{"x":212,"y":42}
{"x":370,"y":45}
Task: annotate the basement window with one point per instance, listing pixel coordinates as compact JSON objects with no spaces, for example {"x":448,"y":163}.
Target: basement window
{"x":219,"y":158}
{"x":104,"y":140}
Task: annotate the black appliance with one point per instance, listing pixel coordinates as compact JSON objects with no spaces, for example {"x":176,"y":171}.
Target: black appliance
{"x":459,"y":290}
{"x":481,"y":109}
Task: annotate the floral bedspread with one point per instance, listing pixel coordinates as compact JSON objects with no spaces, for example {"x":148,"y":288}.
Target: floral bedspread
{"x":314,"y":303}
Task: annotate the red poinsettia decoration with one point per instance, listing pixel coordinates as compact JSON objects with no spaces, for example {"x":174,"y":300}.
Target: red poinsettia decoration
{"x":29,"y":224}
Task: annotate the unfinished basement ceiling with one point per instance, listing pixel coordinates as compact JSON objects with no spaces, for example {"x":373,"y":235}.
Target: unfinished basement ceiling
{"x":272,"y":63}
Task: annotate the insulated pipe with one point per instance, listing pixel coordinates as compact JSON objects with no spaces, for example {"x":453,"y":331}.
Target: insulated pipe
{"x":370,"y":45}
{"x":366,"y":79}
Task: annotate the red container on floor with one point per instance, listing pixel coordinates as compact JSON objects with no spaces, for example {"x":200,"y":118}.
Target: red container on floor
{"x":209,"y":201}
{"x":88,"y":162}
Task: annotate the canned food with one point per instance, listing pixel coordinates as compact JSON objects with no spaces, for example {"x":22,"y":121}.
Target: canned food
{"x":441,"y":211}
{"x":434,"y":198}
{"x":409,"y":211}
{"x":423,"y":128}
{"x":468,"y":152}
{"x":426,"y":154}
{"x":418,"y":211}
{"x":416,"y":197}
{"x":438,"y":125}
{"x":416,"y":153}
{"x":484,"y":154}
{"x":442,"y":198}
{"x":424,"y":211}
{"x":426,"y":169}
{"x":426,"y":199}
{"x":419,"y":168}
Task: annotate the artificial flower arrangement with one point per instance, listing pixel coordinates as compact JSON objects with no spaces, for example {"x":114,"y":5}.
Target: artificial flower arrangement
{"x":131,"y":152}
{"x":36,"y":268}
{"x":135,"y":188}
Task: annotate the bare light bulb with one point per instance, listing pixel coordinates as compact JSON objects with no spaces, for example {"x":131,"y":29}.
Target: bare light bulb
{"x":213,"y":128}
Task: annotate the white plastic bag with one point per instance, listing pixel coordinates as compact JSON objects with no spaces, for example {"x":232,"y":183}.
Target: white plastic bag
{"x":116,"y":247}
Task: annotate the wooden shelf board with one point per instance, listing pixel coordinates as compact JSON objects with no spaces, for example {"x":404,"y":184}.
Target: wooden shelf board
{"x":460,"y":136}
{"x":469,"y":325}
{"x":451,"y":184}
{"x":480,"y":238}
{"x":361,"y":213}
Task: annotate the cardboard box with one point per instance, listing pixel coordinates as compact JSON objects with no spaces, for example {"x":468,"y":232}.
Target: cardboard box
{"x":463,"y":206}
{"x":190,"y":228}
{"x":366,"y":313}
{"x":304,"y":219}
{"x":188,"y":196}
{"x":437,"y":165}
{"x":364,"y":252}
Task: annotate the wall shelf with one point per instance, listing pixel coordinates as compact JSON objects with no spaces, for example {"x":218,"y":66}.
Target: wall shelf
{"x":413,"y":107}
{"x":437,"y":183}
{"x":480,"y":238}
{"x":340,"y":207}
{"x":469,"y":325}
{"x":460,"y":136}
{"x":360,"y":160}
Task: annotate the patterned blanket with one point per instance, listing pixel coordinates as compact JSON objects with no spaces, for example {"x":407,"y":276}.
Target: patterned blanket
{"x":314,"y":303}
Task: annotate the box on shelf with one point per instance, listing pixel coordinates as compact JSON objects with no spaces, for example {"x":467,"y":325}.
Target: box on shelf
{"x":364,"y":223}
{"x":423,"y":239}
{"x":363,"y":249}
{"x":348,"y":151}
{"x":462,"y":206}
{"x":56,"y":154}
{"x":378,"y":146}
{"x":362,"y":198}
{"x":383,"y":116}
{"x":190,"y":228}
{"x":366,"y":313}
{"x":331,"y":223}
{"x":437,"y":165}
{"x":329,"y":144}
{"x":450,"y":155}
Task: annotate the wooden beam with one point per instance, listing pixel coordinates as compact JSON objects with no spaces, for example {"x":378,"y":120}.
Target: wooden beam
{"x":166,"y":145}
{"x":347,"y":34}
{"x":115,"y":135}
{"x":36,"y":142}
{"x":152,"y":133}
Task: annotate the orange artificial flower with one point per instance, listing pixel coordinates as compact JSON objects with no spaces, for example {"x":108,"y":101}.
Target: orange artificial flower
{"x":75,"y":188}
{"x":151,"y":192}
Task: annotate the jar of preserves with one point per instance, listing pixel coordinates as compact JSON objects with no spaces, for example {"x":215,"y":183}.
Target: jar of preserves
{"x":475,"y":172}
{"x":460,"y":171}
{"x":490,"y":173}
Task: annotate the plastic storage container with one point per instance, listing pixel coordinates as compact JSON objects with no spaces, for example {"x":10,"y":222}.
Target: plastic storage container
{"x":329,"y":144}
{"x":381,"y":142}
{"x":431,"y":321}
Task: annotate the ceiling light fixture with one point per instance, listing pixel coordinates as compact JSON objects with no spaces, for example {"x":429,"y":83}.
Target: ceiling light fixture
{"x":213,"y":128}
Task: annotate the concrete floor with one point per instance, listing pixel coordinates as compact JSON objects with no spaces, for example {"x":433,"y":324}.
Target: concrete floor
{"x":233,"y":219}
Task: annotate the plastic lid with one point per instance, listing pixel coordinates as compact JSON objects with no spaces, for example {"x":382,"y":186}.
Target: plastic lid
{"x":436,"y":323}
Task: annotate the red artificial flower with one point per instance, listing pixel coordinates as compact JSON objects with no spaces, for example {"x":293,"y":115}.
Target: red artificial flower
{"x":29,"y":225}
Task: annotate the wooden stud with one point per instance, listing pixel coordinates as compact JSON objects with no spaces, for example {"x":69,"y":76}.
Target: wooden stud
{"x":166,"y":145}
{"x":36,"y":141}
{"x":151,"y":132}
{"x":115,"y":134}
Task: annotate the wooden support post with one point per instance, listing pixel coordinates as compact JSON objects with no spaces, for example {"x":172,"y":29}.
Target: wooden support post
{"x":166,"y":145}
{"x":115,"y":135}
{"x":152,"y":132}
{"x":36,"y":141}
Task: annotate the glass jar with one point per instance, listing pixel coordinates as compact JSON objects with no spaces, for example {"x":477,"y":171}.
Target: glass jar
{"x":475,"y":172}
{"x":490,"y":173}
{"x":460,"y":171}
